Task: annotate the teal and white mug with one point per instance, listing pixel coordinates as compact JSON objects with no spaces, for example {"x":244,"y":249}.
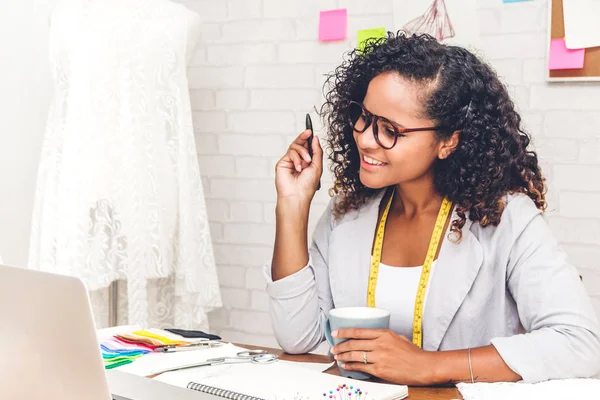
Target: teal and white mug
{"x":354,"y":317}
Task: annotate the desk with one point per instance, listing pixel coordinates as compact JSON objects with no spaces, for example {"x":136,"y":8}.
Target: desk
{"x":414,"y":393}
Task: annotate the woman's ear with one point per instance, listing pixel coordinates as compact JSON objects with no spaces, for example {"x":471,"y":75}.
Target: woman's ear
{"x":448,"y":146}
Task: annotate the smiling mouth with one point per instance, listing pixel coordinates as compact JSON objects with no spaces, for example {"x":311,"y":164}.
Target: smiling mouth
{"x":371,"y":161}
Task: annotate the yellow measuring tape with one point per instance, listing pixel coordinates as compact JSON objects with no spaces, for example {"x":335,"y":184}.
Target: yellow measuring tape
{"x":436,"y":236}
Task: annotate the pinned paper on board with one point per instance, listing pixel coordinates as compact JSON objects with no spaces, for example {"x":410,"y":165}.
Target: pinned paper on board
{"x":563,"y":58}
{"x":365,"y":34}
{"x":581,"y":23}
{"x":333,"y":25}
{"x":584,"y":63}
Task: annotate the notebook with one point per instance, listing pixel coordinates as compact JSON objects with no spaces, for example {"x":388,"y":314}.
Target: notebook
{"x":278,"y":381}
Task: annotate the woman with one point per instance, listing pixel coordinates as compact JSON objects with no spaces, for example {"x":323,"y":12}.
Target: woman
{"x":418,"y":128}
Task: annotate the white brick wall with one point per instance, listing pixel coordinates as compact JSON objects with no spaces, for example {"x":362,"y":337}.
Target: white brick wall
{"x":259,"y":67}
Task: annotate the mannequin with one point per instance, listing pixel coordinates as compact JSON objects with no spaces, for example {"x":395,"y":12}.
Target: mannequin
{"x":119,"y":193}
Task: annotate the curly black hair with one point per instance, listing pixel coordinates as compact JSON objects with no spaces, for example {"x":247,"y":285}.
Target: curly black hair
{"x":463,"y":93}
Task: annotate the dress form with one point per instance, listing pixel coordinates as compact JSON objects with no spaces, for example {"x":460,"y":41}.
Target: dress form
{"x":119,"y":193}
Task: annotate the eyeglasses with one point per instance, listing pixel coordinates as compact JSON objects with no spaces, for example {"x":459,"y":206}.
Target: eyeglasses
{"x":360,"y":119}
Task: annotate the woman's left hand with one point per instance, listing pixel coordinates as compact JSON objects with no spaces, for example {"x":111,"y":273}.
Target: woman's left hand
{"x":389,"y":356}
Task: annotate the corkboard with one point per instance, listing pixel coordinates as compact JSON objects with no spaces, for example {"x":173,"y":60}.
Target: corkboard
{"x":591,"y":64}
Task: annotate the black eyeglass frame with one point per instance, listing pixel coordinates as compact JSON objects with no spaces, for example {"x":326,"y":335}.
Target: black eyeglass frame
{"x":372,"y":119}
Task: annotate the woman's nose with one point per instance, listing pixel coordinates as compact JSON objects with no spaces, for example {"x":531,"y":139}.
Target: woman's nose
{"x":366,"y":139}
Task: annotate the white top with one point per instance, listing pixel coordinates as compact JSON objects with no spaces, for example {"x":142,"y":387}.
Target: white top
{"x":396,"y":292}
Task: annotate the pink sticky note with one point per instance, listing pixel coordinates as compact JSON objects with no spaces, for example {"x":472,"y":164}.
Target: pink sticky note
{"x":332,"y":25}
{"x":563,"y":58}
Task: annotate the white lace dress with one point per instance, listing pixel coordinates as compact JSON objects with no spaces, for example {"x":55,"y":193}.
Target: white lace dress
{"x":119,"y":193}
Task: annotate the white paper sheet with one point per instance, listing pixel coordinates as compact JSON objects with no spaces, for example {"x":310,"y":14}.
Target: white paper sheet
{"x":182,"y":377}
{"x":580,"y":389}
{"x":154,"y":363}
{"x":460,"y":15}
{"x":582,"y":28}
{"x":318,"y":367}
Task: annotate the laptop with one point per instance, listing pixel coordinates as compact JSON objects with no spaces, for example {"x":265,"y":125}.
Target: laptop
{"x":49,"y":349}
{"x":48,"y":345}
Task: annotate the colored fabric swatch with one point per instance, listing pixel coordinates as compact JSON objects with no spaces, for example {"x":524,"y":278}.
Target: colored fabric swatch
{"x":117,"y":357}
{"x":129,"y":353}
{"x":193,"y":334}
{"x":161,"y":338}
{"x":117,"y":364}
{"x":116,"y":353}
{"x":124,"y":348}
{"x":131,"y":338}
{"x":131,"y":342}
{"x":117,"y":345}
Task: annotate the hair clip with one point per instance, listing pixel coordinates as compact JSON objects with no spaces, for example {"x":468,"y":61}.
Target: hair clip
{"x":468,"y":113}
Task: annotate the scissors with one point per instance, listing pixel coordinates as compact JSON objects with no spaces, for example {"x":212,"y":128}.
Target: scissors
{"x":252,"y":356}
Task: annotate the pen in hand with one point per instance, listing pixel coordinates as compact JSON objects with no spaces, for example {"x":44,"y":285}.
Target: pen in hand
{"x":310,"y":139}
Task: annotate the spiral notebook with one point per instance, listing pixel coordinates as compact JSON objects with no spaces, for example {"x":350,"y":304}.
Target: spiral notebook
{"x":279,"y":381}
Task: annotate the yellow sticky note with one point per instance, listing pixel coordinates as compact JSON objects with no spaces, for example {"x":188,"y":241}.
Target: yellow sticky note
{"x":365,"y":34}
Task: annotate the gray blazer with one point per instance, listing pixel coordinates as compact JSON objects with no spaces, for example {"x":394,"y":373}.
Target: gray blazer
{"x":510,"y":286}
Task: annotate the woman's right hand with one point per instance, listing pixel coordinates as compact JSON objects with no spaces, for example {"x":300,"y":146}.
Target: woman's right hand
{"x":297,"y":174}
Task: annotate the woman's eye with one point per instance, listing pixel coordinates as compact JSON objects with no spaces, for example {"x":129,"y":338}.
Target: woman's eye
{"x":391,"y":131}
